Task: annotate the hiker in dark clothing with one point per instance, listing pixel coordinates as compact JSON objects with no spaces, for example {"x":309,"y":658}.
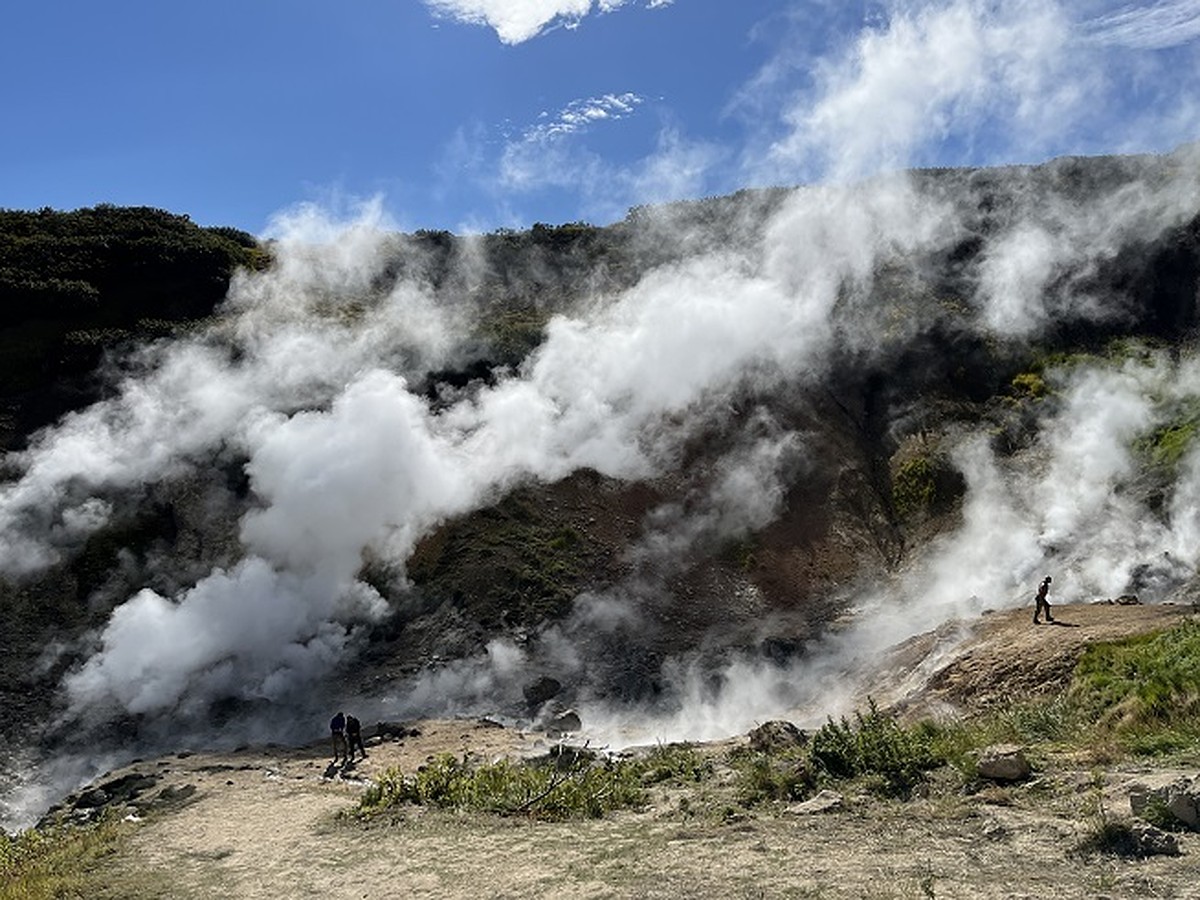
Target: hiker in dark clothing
{"x":1041,"y":603}
{"x":354,"y":736}
{"x":337,"y":727}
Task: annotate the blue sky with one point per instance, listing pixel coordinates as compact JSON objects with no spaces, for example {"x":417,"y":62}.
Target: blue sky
{"x":476,"y":114}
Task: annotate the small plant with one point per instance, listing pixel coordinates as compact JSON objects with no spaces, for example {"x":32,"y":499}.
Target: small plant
{"x":1106,"y":836}
{"x":1029,"y":385}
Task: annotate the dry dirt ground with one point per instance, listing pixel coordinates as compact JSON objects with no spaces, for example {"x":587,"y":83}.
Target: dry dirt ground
{"x":274,"y":823}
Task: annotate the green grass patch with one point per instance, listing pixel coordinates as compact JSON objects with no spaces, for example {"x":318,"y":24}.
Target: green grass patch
{"x":57,"y":861}
{"x":1145,"y":690}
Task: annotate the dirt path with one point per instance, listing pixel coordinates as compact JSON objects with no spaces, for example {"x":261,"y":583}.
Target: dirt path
{"x":266,"y":824}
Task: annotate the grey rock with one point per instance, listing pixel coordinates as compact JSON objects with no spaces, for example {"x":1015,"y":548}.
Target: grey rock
{"x":541,"y":689}
{"x":825,"y":801}
{"x":563,"y":723}
{"x":1003,"y":762}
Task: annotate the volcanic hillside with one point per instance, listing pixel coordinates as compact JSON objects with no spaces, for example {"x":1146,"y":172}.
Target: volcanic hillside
{"x":719,"y":450}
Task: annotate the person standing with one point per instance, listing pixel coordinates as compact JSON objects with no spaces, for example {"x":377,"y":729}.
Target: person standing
{"x":1040,"y":602}
{"x":354,"y":736}
{"x":337,"y":727}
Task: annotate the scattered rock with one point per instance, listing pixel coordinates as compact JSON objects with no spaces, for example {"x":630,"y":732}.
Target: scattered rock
{"x":825,"y":801}
{"x":91,"y":799}
{"x":396,"y":731}
{"x":540,"y":690}
{"x":994,"y":830}
{"x":1151,"y":841}
{"x":1003,"y":762}
{"x":1177,"y":801}
{"x":117,"y":790}
{"x":776,"y":735}
{"x":563,"y":723}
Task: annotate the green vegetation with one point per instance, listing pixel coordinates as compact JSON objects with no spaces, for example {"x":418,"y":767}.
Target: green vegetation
{"x":1164,"y":447}
{"x":924,"y":484}
{"x":890,"y":758}
{"x":1029,"y":385}
{"x":74,"y":285}
{"x":569,"y":786}
{"x":512,"y":332}
{"x":1143,"y":692}
{"x":55,"y":861}
{"x":569,"y":783}
{"x":764,"y":777}
{"x":511,"y":563}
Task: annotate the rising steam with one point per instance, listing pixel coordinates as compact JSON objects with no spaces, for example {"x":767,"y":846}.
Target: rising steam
{"x":314,"y":382}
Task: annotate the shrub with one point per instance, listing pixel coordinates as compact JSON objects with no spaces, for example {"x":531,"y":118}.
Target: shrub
{"x":1029,"y":385}
{"x":677,"y":763}
{"x":773,"y":776}
{"x":875,"y":746}
{"x":583,"y":788}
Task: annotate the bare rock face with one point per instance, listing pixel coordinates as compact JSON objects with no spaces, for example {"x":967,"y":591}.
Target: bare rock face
{"x":1177,"y":801}
{"x":1004,"y":762}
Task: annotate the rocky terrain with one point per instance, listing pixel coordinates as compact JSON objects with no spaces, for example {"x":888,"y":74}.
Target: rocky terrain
{"x":277,"y":821}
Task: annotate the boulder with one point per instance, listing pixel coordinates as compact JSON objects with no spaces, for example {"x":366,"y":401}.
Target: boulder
{"x":1003,"y":762}
{"x":1176,"y":801}
{"x":776,"y":735}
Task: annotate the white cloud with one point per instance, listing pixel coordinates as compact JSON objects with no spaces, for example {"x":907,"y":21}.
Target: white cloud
{"x":578,"y":115}
{"x":1168,"y":23}
{"x":515,"y":21}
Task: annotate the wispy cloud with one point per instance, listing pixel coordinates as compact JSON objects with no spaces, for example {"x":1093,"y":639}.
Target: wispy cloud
{"x":579,"y":115}
{"x":546,"y":157}
{"x":1168,"y":23}
{"x":516,"y":21}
